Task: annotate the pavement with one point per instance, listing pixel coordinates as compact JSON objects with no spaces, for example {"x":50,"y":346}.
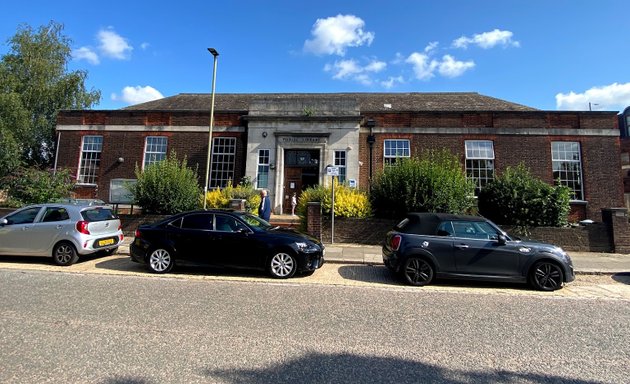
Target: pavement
{"x":584,"y":263}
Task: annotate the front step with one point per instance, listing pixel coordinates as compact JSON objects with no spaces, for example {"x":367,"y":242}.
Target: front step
{"x":285,"y":221}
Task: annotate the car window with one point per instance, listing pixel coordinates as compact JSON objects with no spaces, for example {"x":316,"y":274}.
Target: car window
{"x":98,"y":214}
{"x":474,"y":230}
{"x":55,"y":214}
{"x":25,"y":216}
{"x":445,"y":229}
{"x":254,"y":221}
{"x":226,"y":223}
{"x":198,"y":221}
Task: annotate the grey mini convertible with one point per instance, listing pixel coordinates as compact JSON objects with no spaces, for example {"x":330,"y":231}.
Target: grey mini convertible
{"x":425,"y":246}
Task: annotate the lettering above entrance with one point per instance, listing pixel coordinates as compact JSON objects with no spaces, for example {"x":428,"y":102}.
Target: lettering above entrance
{"x":302,"y":140}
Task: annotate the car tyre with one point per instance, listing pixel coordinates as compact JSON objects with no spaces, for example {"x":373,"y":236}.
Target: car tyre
{"x":64,"y":254}
{"x":546,"y":276}
{"x":160,"y":260}
{"x":282,"y":265}
{"x":417,"y":271}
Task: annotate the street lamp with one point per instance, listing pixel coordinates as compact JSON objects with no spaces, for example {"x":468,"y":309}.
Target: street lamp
{"x":214,"y":76}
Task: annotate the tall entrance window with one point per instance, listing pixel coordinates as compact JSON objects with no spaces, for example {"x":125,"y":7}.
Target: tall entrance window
{"x":340,"y":162}
{"x":567,"y":166}
{"x":394,"y":150}
{"x":262,"y":176}
{"x":479,"y":162}
{"x":90,"y":159}
{"x":223,"y":159}
{"x":154,"y":149}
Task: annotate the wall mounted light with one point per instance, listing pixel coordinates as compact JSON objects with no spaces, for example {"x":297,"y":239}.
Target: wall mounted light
{"x":264,"y":134}
{"x":121,"y":160}
{"x":272,"y":166}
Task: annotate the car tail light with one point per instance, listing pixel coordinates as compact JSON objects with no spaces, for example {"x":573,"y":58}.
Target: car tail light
{"x":395,"y":241}
{"x":82,"y":227}
{"x":137,"y":233}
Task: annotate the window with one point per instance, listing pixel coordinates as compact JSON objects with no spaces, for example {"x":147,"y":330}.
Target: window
{"x":395,"y":149}
{"x":154,"y":149}
{"x":90,"y":159}
{"x":55,"y":214}
{"x":262,"y":177}
{"x":567,"y":166}
{"x":223,"y":158}
{"x":479,"y":162}
{"x":201,"y":221}
{"x":340,"y":162}
{"x":25,"y":216}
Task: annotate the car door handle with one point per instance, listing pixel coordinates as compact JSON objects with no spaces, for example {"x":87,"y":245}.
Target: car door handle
{"x":462,"y":246}
{"x":59,"y":226}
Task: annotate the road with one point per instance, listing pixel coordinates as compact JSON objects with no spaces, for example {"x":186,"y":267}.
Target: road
{"x":83,"y":327}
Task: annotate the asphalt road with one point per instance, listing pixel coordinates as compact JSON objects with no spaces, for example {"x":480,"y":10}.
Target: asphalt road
{"x":62,"y":327}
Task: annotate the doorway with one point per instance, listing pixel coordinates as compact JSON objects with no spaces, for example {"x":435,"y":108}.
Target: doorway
{"x":301,"y":171}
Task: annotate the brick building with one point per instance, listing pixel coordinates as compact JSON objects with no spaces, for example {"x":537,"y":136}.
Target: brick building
{"x":284,"y":142}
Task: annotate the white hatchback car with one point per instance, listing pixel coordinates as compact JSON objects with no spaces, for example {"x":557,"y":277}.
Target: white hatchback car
{"x":62,"y":231}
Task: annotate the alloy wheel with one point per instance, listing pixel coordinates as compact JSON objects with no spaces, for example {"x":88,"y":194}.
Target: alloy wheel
{"x":65,"y":254}
{"x":160,"y":261}
{"x":282,"y":265}
{"x":418,"y":271}
{"x":547,"y":276}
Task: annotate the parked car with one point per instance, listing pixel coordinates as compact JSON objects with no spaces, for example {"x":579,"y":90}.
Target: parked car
{"x":61,"y":231}
{"x":225,"y":238}
{"x":425,"y":246}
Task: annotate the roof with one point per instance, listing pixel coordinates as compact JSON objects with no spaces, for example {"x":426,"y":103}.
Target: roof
{"x":427,"y":222}
{"x":368,"y":102}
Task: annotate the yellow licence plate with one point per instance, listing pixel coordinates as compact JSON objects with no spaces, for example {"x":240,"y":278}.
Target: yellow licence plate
{"x":102,"y":243}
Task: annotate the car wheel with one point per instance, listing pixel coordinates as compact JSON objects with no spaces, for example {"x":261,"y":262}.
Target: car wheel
{"x":546,"y":276}
{"x":160,"y":260}
{"x":417,"y":271}
{"x":65,"y":254}
{"x":282,"y":265}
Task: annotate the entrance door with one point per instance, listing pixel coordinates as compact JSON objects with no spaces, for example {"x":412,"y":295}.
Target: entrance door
{"x":292,"y":184}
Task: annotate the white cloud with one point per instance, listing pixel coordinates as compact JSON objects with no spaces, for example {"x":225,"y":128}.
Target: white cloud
{"x":431,"y":47}
{"x":392,"y":81}
{"x":350,"y":69}
{"x":113,"y":45}
{"x":487,"y":40}
{"x":137,"y":94}
{"x":334,"y":35}
{"x":611,"y":97}
{"x":449,"y":67}
{"x":85,"y":53}
{"x":423,"y":65}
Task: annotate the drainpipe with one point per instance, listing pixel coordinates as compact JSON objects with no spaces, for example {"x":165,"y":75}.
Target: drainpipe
{"x":371,"y":140}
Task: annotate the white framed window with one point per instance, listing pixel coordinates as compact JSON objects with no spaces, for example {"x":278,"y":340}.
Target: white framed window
{"x":223,"y":161}
{"x":154,"y":149}
{"x":90,"y":161}
{"x":395,"y":149}
{"x":479,"y":162}
{"x":566,"y":161}
{"x":340,"y":162}
{"x":262,"y":174}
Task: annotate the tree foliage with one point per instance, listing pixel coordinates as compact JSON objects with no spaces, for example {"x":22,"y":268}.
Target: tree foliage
{"x":349,"y":202}
{"x":432,"y":182}
{"x":34,"y":85}
{"x":34,"y":186}
{"x":517,"y":198}
{"x":167,"y":187}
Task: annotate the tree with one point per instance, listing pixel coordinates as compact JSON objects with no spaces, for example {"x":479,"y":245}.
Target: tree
{"x":34,"y":85}
{"x":433,"y":182}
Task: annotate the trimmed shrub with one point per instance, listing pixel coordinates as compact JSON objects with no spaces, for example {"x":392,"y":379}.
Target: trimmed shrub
{"x":432,"y":182}
{"x":167,"y":187}
{"x":517,"y":198}
{"x":220,"y":198}
{"x":349,"y":202}
{"x":34,"y":186}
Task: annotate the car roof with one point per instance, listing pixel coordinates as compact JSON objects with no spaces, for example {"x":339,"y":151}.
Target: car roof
{"x":427,"y":222}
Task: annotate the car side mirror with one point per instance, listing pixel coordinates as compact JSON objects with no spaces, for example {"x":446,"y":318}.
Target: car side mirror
{"x":3,"y":222}
{"x":502,"y":239}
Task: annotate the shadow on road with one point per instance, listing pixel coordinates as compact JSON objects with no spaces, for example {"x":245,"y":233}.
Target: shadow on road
{"x":348,"y":368}
{"x":380,"y":274}
{"x":623,"y":278}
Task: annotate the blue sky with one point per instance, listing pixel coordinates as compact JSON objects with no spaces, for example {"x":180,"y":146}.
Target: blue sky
{"x":551,"y":55}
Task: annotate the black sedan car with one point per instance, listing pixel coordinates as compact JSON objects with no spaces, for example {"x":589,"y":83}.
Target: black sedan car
{"x":425,"y":246}
{"x":225,"y":238}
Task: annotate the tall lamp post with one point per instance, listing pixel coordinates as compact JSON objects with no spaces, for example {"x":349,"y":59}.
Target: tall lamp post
{"x":214,"y":77}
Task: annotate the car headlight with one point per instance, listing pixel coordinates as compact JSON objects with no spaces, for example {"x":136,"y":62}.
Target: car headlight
{"x":307,"y":247}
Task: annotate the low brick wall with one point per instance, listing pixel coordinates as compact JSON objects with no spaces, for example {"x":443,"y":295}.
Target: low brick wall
{"x":131,"y":222}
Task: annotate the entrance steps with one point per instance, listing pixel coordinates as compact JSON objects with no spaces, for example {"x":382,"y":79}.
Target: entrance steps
{"x":285,"y":221}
